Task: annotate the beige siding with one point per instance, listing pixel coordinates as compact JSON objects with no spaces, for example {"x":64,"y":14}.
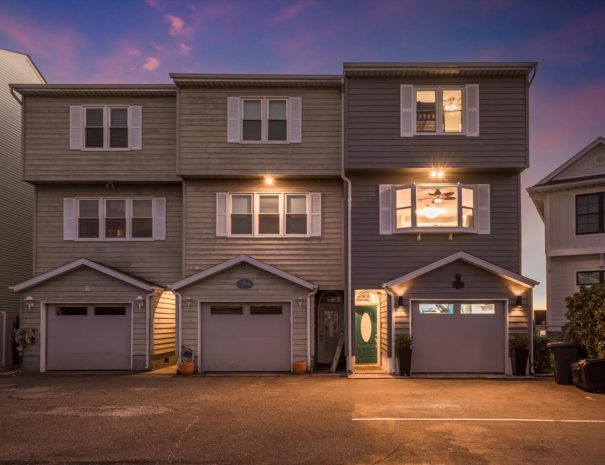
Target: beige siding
{"x":588,"y":165}
{"x":16,"y":196}
{"x":48,"y":157}
{"x":164,"y":324}
{"x":384,"y":329}
{"x":317,"y":259}
{"x":156,"y":261}
{"x":71,"y":288}
{"x":203,"y":147}
{"x":267,"y":287}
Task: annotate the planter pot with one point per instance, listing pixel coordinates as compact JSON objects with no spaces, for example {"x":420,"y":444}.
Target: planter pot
{"x":404,"y":356}
{"x":518,"y":358}
{"x":299,"y":367}
{"x":186,"y":368}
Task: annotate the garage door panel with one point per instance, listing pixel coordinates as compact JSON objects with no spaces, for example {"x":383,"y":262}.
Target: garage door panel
{"x":245,"y":341}
{"x":88,"y":341}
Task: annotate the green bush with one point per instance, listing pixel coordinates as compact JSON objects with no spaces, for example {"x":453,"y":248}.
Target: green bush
{"x":586,"y":315}
{"x":404,"y":341}
{"x":543,"y":362}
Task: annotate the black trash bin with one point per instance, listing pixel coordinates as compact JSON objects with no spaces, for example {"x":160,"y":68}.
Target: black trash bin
{"x":565,"y":354}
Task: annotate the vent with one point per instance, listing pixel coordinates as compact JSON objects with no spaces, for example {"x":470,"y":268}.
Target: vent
{"x":599,"y":160}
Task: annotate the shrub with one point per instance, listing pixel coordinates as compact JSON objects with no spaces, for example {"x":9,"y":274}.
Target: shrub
{"x":542,"y":357}
{"x":403,"y":341}
{"x":519,"y":342}
{"x":586,"y":315}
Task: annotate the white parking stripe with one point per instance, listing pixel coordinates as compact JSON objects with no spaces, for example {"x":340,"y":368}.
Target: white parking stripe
{"x":452,"y":419}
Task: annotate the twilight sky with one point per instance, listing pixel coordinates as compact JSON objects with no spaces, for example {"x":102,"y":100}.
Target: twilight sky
{"x":132,"y":41}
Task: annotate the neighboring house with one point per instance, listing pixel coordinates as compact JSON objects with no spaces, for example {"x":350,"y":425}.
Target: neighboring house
{"x":260,"y":158}
{"x":108,"y":225}
{"x":571,"y":202}
{"x":16,"y":196}
{"x":434,"y":154}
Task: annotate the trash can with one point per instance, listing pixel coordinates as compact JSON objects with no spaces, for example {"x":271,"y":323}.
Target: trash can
{"x":565,"y":354}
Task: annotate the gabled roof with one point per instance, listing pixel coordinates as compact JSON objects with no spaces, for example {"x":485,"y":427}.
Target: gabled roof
{"x":84,"y":262}
{"x":495,"y":269}
{"x":28,"y":58}
{"x":236,"y":261}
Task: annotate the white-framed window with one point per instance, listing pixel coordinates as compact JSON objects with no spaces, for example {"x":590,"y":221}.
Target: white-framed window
{"x":269,"y":215}
{"x":267,"y":120}
{"x":115,"y":218}
{"x":439,"y":207}
{"x":105,"y":127}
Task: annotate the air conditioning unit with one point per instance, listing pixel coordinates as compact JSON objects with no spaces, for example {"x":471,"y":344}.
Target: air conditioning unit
{"x":8,"y":323}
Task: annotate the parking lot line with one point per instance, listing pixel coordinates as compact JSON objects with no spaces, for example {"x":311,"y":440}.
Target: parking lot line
{"x":453,"y":419}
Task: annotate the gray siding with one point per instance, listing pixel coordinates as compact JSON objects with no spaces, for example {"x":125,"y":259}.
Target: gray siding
{"x":203,"y":147}
{"x":48,"y":157}
{"x":317,"y":259}
{"x":155,"y":261}
{"x":377,"y":259}
{"x":373,"y":127}
{"x":16,"y":197}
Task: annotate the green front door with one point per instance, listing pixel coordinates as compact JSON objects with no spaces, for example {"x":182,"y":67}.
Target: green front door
{"x":365,"y":334}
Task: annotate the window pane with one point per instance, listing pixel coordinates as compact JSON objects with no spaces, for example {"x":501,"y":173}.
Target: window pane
{"x":444,"y":309}
{"x":88,"y":228}
{"x":72,"y":311}
{"x":89,"y":208}
{"x":119,"y":118}
{"x":296,"y":204}
{"x":587,"y":224}
{"x":477,"y":309}
{"x":426,"y":108}
{"x":403,"y":197}
{"x":252,"y":109}
{"x":296,"y":224}
{"x":115,"y":228}
{"x":452,"y":110}
{"x":241,"y":204}
{"x":108,"y":311}
{"x":589,"y":277}
{"x":266,"y":310}
{"x":278,"y":130}
{"x":268,"y":204}
{"x":115,"y":208}
{"x":437,"y":207}
{"x":277,"y":109}
{"x":468,"y":218}
{"x":587,"y":203}
{"x":141,"y":208}
{"x":226,"y":310}
{"x":404,"y":218}
{"x":118,"y":138}
{"x":94,"y":117}
{"x":241,"y":224}
{"x":251,"y":130}
{"x":268,"y":224}
{"x":468,"y":197}
{"x":94,"y":137}
{"x":142,"y":227}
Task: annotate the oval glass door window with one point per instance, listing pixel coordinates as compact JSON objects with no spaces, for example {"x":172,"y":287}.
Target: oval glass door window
{"x":366,"y":327}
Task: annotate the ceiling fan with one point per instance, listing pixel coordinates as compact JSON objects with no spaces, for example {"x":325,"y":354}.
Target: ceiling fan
{"x":438,"y":196}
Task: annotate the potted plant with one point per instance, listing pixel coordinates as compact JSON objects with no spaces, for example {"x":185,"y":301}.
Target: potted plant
{"x":403,"y":346}
{"x":519,"y":353}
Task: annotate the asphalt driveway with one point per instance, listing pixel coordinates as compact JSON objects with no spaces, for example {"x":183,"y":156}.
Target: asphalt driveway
{"x":296,"y":420}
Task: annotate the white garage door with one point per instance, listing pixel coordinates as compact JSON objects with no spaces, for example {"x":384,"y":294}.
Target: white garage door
{"x":88,"y":337}
{"x":458,"y":337}
{"x":246,"y":337}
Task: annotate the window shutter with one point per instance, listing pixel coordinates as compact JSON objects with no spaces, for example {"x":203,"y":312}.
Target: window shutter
{"x":159,"y":219}
{"x":69,"y":219}
{"x":295,"y":123}
{"x":315,"y":200}
{"x":75,"y":127}
{"x":221,"y":214}
{"x":233,"y":104}
{"x":407,"y":111}
{"x":385,"y":194}
{"x":483,"y":209}
{"x":135,"y":128}
{"x":472,"y":110}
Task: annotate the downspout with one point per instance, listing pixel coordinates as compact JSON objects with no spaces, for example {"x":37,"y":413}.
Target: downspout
{"x":15,"y":96}
{"x":391,"y":321}
{"x":310,"y":298}
{"x":348,"y":189}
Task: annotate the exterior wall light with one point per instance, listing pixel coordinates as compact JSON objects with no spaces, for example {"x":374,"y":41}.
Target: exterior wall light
{"x":519,"y":302}
{"x":140,"y":299}
{"x":30,"y":302}
{"x":188,"y":302}
{"x":400,"y":303}
{"x":268,"y":180}
{"x":437,"y":174}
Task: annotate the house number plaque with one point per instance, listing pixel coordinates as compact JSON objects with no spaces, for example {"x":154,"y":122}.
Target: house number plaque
{"x":244,"y":283}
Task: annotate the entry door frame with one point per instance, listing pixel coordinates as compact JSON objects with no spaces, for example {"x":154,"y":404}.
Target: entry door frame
{"x":200,"y":310}
{"x":378,"y":353}
{"x":505,"y":306}
{"x":43,"y":317}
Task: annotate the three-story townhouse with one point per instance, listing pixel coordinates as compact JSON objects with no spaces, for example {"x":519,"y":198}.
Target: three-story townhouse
{"x":107,"y":227}
{"x":433,"y":154}
{"x":260,"y":158}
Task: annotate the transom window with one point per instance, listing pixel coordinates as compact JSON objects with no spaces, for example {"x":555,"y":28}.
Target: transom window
{"x":264,"y":119}
{"x":106,"y":127}
{"x":271,"y":214}
{"x":462,"y":308}
{"x":588,"y":278}
{"x":114,"y":218}
{"x":434,"y":206}
{"x":439,"y":110}
{"x":590,"y":218}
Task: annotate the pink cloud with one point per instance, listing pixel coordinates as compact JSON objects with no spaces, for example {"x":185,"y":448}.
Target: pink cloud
{"x":177,"y":25}
{"x":155,"y":4}
{"x":151,"y":64}
{"x":292,"y":11}
{"x":134,"y":52}
{"x":184,"y":49}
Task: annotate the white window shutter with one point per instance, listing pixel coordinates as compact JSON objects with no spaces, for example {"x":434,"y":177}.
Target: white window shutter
{"x":233,"y":109}
{"x":472,"y":110}
{"x":295,"y":123}
{"x":483,"y":209}
{"x":407,"y":111}
{"x":135,"y":129}
{"x":75,"y":127}
{"x":385,"y":199}
{"x":159,"y":219}
{"x":315,"y":200}
{"x":221,"y":214}
{"x":69,"y":219}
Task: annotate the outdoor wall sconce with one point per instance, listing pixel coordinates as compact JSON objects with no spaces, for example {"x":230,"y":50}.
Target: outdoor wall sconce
{"x":400,"y":303}
{"x":30,"y":301}
{"x":188,"y":302}
{"x":268,"y":180}
{"x":519,"y":302}
{"x":140,"y":301}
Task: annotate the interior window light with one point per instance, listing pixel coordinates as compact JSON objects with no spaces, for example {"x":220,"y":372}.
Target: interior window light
{"x":477,"y":309}
{"x":452,"y":110}
{"x":426,"y":111}
{"x":468,"y":208}
{"x":436,"y":206}
{"x":403,"y":206}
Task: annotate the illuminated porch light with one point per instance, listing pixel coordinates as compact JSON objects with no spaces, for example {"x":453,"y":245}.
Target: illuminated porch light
{"x":400,"y":303}
{"x":268,"y":180}
{"x":519,"y":302}
{"x":437,"y":174}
